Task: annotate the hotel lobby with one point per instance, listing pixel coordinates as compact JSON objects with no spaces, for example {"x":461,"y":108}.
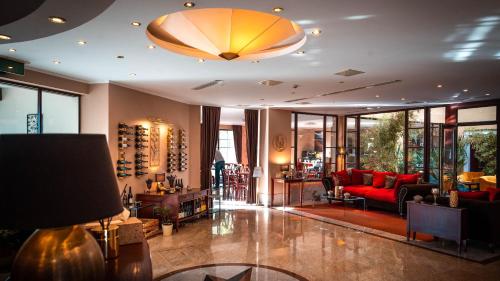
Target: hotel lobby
{"x":249,"y":140}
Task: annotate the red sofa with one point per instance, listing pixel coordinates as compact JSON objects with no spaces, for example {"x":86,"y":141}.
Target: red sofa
{"x":376,"y":195}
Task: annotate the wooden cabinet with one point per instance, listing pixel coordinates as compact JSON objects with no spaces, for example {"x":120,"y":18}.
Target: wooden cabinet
{"x":174,"y":201}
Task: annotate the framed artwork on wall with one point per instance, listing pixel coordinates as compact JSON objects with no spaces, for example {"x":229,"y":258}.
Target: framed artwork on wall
{"x":155,"y":146}
{"x":32,"y":124}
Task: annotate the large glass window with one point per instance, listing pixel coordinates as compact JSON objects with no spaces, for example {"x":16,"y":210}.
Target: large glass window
{"x":316,"y":145}
{"x":415,"y":141}
{"x":18,"y":109}
{"x":20,"y":112}
{"x":60,"y":113}
{"x":351,"y":142}
{"x":437,"y":121}
{"x":226,"y":146}
{"x":381,"y":141}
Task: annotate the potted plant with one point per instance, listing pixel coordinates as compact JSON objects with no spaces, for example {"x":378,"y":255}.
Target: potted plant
{"x":165,"y":219}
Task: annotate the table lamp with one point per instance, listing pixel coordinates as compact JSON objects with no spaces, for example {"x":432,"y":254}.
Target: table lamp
{"x":53,"y":183}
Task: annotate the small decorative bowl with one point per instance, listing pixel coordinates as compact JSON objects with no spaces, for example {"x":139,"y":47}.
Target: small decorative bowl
{"x":347,"y":195}
{"x":418,"y":198}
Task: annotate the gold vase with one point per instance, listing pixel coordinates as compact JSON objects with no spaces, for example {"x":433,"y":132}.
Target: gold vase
{"x":454,"y":198}
{"x":108,"y":241}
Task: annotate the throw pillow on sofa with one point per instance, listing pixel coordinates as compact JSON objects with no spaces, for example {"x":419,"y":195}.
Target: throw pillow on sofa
{"x":494,"y":193}
{"x":476,"y":195}
{"x":342,"y":178}
{"x":406,"y":179}
{"x":389,"y":181}
{"x":357,"y":176}
{"x":379,"y":178}
{"x":367,"y":179}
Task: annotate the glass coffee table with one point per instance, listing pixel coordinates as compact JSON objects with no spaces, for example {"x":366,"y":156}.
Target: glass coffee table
{"x":351,"y":200}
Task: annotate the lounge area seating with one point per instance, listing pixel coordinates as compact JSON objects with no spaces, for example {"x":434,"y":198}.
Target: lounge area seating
{"x":376,"y":192}
{"x":486,"y":182}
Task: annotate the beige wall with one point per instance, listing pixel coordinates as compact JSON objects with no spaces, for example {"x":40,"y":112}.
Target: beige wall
{"x":134,"y":108}
{"x":194,"y":146}
{"x":274,"y":122}
{"x":94,"y":112}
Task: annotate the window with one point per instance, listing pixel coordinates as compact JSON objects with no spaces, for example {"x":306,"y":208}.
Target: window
{"x":351,"y":141}
{"x":26,"y":109}
{"x":226,"y":146}
{"x":415,"y":141}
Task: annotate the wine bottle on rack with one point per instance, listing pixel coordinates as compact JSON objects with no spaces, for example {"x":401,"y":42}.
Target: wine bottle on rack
{"x":141,"y":140}
{"x":123,"y":132}
{"x":139,"y":134}
{"x":124,"y":139}
{"x":140,"y":146}
{"x":140,"y":127}
{"x":123,"y":168}
{"x":123,"y":162}
{"x":123,"y":145}
{"x":140,"y":155}
{"x":140,"y":167}
{"x":140,"y":173}
{"x":123,"y":175}
{"x":139,"y":161}
{"x":124,"y":126}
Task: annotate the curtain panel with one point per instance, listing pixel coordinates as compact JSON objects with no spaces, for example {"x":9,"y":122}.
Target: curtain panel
{"x":209,"y":138}
{"x":252,"y":126}
{"x":238,"y":135}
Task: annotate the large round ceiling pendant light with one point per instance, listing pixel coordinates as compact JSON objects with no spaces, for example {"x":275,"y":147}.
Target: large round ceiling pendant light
{"x":226,"y":34}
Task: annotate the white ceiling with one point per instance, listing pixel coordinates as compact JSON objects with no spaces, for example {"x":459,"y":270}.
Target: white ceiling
{"x":423,"y":43}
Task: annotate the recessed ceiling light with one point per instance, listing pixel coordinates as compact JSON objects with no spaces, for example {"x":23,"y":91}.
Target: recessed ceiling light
{"x":120,"y":57}
{"x":189,"y":4}
{"x":378,"y":107}
{"x":57,"y":20}
{"x":456,"y":95}
{"x":377,"y":96}
{"x":255,"y":61}
{"x":135,"y":23}
{"x":200,"y":60}
{"x":403,"y":99}
{"x":439,"y":86}
{"x":316,"y":32}
{"x":487,"y":94}
{"x":151,"y":47}
{"x":465,"y":90}
{"x":56,"y":62}
{"x":132,"y":75}
{"x":278,"y":9}
{"x":12,"y":50}
{"x":10,"y":67}
{"x":369,"y":108}
{"x":301,"y":52}
{"x":5,"y":37}
{"x":81,"y":42}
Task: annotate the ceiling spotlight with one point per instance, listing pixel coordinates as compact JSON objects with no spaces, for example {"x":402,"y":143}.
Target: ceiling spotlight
{"x":120,"y":57}
{"x":301,"y":52}
{"x":403,"y":99}
{"x":456,"y":96}
{"x":369,"y":108}
{"x":135,"y":23}
{"x":57,"y":20}
{"x":189,"y":4}
{"x":12,"y":50}
{"x":487,"y":94}
{"x":151,"y":47}
{"x":200,"y":60}
{"x":56,"y":62}
{"x":132,"y":75}
{"x":465,"y":90}
{"x":10,"y":67}
{"x":316,"y":32}
{"x":278,"y":9}
{"x":81,"y":42}
{"x":439,"y":86}
{"x":5,"y":37}
{"x":377,"y":96}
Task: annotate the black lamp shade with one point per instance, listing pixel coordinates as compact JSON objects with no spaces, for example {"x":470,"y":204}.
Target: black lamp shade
{"x":56,"y":180}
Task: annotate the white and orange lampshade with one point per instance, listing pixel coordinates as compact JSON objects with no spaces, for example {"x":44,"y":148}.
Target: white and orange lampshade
{"x":226,"y":34}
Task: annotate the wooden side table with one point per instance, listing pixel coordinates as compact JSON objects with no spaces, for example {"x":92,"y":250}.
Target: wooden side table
{"x":440,"y":221}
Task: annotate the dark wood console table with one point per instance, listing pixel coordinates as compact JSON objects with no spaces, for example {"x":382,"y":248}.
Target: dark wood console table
{"x":286,"y":188}
{"x":440,"y":221}
{"x":173,"y":201}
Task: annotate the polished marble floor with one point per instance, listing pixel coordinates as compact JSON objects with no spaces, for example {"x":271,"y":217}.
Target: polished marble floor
{"x":313,"y":249}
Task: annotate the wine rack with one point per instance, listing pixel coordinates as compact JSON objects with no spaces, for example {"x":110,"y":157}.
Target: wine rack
{"x":182,"y":150}
{"x":171,"y":161}
{"x":124,"y":138}
{"x":141,"y":141}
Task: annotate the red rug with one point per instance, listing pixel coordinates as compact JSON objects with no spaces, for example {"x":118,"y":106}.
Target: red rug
{"x":380,"y":220}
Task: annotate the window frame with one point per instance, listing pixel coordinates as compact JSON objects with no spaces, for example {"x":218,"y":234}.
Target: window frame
{"x":40,"y":90}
